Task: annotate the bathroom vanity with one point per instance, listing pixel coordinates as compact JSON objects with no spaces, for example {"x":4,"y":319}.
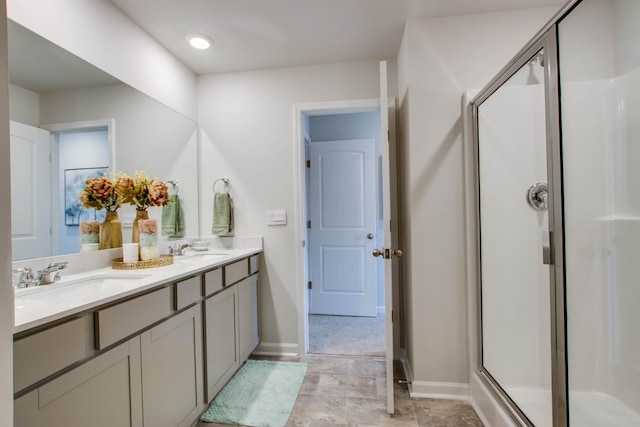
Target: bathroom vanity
{"x":148,"y":347}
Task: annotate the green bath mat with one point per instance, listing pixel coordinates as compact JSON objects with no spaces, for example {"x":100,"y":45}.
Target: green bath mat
{"x":261,"y":393}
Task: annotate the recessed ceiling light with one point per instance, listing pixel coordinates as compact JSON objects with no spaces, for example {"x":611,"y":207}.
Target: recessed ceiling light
{"x":200,"y":42}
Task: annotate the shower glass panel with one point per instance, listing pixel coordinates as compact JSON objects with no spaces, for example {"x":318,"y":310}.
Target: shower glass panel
{"x":599,"y":66}
{"x":515,"y":282}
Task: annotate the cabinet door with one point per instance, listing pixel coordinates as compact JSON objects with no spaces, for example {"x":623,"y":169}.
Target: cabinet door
{"x":172,"y":371}
{"x":248,"y":315}
{"x":221,"y":340}
{"x":103,"y":392}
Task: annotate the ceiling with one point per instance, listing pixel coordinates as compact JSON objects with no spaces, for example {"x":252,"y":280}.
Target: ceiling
{"x":259,"y":34}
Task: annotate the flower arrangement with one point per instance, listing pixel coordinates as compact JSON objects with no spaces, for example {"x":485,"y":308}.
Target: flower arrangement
{"x":142,"y":192}
{"x":101,"y":193}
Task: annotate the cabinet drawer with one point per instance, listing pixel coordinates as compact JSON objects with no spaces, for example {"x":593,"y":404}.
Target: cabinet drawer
{"x":236,"y":271}
{"x":39,"y":355}
{"x":187,"y":292}
{"x":253,"y":264}
{"x":213,"y":281}
{"x":120,"y":321}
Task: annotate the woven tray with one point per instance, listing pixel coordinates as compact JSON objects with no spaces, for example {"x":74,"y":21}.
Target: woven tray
{"x":118,"y":264}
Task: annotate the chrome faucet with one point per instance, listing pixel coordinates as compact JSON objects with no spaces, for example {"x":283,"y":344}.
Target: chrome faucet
{"x":50,"y":273}
{"x":26,"y":278}
{"x":178,"y":249}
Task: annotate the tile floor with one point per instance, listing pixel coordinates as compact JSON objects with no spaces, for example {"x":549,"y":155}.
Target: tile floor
{"x":350,"y":391}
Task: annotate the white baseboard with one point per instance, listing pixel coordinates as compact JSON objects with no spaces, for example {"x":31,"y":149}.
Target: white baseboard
{"x":432,"y":389}
{"x":439,"y":390}
{"x":486,"y":406}
{"x":276,"y":349}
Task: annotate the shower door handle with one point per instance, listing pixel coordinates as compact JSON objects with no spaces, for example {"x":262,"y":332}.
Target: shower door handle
{"x":546,"y":248}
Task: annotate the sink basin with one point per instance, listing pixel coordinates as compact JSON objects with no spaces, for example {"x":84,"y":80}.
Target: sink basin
{"x":104,"y":279}
{"x":71,"y":293}
{"x":91,"y":282}
{"x":198,"y":257}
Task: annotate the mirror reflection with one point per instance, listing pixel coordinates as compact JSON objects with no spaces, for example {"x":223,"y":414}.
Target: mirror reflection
{"x":70,"y":119}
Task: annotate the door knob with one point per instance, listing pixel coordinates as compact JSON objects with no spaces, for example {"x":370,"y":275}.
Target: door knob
{"x":370,"y":236}
{"x":387,"y":253}
{"x":538,"y":195}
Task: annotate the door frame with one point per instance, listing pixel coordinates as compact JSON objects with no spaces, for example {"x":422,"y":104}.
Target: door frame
{"x":301,"y":211}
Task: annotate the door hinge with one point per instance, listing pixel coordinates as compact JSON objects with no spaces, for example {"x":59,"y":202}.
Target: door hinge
{"x":308,"y":224}
{"x":308,"y":163}
{"x":393,"y":316}
{"x":310,"y":285}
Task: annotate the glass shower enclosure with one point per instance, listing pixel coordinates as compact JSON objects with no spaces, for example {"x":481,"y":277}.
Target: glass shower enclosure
{"x":557,"y":156}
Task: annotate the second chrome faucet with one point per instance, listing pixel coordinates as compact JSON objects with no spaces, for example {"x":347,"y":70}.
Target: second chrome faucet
{"x":44,"y":277}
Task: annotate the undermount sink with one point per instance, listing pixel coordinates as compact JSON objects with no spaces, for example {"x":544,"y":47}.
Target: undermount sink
{"x":197,"y":256}
{"x":90,"y":282}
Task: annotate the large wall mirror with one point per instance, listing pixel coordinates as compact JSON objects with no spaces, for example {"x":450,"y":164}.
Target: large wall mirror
{"x":69,"y":118}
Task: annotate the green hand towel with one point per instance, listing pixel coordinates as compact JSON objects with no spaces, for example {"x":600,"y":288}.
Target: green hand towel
{"x":172,"y":222}
{"x":222,"y":215}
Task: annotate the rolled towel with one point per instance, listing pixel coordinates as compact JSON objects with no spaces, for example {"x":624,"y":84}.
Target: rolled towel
{"x":222,"y":215}
{"x":172,"y":222}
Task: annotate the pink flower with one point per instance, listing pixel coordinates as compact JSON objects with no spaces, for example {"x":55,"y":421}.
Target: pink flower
{"x":148,"y":226}
{"x":158,"y":192}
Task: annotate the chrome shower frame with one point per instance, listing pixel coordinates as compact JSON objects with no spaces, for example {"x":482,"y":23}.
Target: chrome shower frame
{"x":546,"y":40}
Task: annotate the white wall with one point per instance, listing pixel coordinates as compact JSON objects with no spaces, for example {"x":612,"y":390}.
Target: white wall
{"x":6,"y":291}
{"x":439,"y":59}
{"x":24,"y":106}
{"x":102,"y":35}
{"x":247,"y":134}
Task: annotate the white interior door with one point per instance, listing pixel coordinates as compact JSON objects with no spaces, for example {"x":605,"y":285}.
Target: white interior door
{"x":390,"y":252}
{"x":342,"y":211}
{"x":30,"y":192}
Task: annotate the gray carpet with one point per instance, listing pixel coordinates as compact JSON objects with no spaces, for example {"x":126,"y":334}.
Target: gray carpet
{"x":345,"y":335}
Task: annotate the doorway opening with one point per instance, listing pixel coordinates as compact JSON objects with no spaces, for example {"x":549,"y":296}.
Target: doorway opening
{"x":346,"y":296}
{"x":79,"y":150}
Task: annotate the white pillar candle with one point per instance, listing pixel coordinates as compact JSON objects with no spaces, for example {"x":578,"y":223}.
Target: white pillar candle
{"x":130,"y":252}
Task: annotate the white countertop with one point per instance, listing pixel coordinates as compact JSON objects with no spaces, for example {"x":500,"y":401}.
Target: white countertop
{"x":79,"y":292}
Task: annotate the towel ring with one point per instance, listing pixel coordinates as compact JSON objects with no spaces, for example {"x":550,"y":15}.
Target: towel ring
{"x":227,"y":185}
{"x":174,"y":186}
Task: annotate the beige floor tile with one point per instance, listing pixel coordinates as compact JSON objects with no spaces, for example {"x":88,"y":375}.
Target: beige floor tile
{"x":371,"y":367}
{"x":445,"y":413}
{"x":326,"y":365}
{"x":310,"y":384}
{"x":342,"y":391}
{"x":326,"y":409}
{"x":347,"y":386}
{"x":374,"y":412}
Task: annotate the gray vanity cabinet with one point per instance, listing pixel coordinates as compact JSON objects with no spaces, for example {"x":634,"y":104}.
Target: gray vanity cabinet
{"x":221,"y":332}
{"x":231,"y":321}
{"x":248,"y":315}
{"x":172,"y":382}
{"x":144,"y":360}
{"x":104,"y":392}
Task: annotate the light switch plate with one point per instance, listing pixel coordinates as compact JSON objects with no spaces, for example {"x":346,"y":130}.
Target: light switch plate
{"x":277,"y":217}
